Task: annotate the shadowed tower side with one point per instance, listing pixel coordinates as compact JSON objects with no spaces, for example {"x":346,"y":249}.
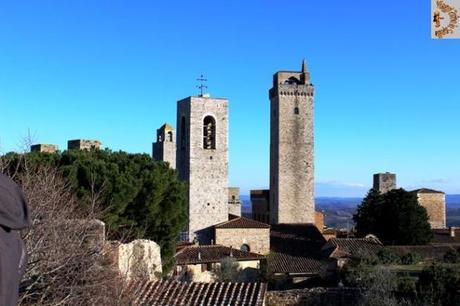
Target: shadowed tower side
{"x":291,"y":148}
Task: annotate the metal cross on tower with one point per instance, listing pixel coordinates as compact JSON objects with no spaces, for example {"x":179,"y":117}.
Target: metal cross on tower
{"x":202,"y":79}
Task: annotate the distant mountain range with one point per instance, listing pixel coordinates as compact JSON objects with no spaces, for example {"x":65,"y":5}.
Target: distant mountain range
{"x":339,"y":212}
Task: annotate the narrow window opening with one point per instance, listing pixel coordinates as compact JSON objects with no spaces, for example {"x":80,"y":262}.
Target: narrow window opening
{"x":296,"y":110}
{"x":209,"y":133}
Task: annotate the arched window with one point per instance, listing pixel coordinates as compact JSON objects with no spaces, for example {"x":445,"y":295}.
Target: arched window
{"x":182,"y":133}
{"x":170,"y":136}
{"x":296,"y":110}
{"x":244,"y":248}
{"x":209,"y":133}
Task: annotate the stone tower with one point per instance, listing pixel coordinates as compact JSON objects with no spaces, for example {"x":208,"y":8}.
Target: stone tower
{"x":291,"y":148}
{"x":384,"y":182}
{"x":202,"y":162}
{"x":164,"y":148}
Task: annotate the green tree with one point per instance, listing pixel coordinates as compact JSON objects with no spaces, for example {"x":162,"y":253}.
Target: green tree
{"x":439,"y":285}
{"x":395,"y":217}
{"x":367,"y":213}
{"x":140,"y":197}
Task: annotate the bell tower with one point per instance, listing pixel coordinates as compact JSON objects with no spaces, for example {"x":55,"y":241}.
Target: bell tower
{"x":202,"y":162}
{"x":291,"y":148}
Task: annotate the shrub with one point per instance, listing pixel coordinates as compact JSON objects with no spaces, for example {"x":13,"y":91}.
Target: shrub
{"x":387,"y":257}
{"x":452,"y":256}
{"x":411,"y":258}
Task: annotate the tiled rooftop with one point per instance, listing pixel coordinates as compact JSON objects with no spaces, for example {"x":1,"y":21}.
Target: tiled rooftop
{"x":242,"y":222}
{"x":343,"y":247}
{"x":442,"y":236}
{"x":173,"y":293}
{"x":426,"y":190}
{"x":284,"y":263}
{"x":212,"y":253}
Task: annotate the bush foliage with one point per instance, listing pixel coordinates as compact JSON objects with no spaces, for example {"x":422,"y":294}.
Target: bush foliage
{"x":140,"y":198}
{"x":394,"y":217}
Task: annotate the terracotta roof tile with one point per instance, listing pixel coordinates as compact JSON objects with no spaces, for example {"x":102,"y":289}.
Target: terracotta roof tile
{"x":442,"y":236}
{"x":284,"y":263}
{"x":426,"y":190}
{"x":344,"y":247}
{"x":212,"y":253}
{"x":242,"y":222}
{"x":174,"y":293}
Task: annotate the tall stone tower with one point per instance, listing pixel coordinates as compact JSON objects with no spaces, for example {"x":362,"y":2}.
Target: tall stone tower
{"x":202,"y":162}
{"x":164,"y":148}
{"x":291,"y":148}
{"x":384,"y":182}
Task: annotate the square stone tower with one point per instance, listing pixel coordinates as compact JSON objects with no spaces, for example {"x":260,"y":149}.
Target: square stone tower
{"x":202,"y":162}
{"x":291,"y":148}
{"x":164,"y":148}
{"x":384,"y":182}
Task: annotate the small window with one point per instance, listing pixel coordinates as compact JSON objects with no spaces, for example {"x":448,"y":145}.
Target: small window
{"x":244,"y":248}
{"x":296,"y":110}
{"x":170,"y":136}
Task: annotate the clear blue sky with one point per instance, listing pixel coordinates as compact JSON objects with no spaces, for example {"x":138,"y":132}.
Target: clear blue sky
{"x":387,"y":96}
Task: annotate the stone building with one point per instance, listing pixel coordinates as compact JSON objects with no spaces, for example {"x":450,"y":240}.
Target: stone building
{"x":202,"y":162}
{"x":435,"y":204}
{"x":244,"y":234}
{"x":384,"y":182}
{"x":83,"y":144}
{"x":164,"y":149}
{"x":260,"y":202}
{"x":234,"y":201}
{"x":44,"y":148}
{"x":291,"y":148}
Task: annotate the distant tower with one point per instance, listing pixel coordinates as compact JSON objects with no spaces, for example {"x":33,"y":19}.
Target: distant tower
{"x":384,"y":182}
{"x":291,"y":148}
{"x":164,"y":148}
{"x":202,"y":162}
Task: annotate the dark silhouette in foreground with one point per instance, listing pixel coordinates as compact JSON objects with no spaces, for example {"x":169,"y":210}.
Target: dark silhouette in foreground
{"x":14,"y":216}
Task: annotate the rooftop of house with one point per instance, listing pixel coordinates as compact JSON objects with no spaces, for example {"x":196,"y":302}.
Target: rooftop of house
{"x":428,"y":252}
{"x":348,"y":247}
{"x":212,"y":253}
{"x":241,"y":222}
{"x":285,"y":263}
{"x":446,"y":236}
{"x":300,"y":240}
{"x":426,"y":190}
{"x":174,"y":293}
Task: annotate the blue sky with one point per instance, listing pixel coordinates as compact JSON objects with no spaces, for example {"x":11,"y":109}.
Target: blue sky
{"x":387,"y":96}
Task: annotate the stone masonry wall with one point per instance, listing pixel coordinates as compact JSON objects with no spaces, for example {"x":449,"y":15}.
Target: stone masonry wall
{"x":435,"y":205}
{"x":258,"y":239}
{"x":205,"y":170}
{"x":384,"y":182}
{"x":291,"y":150}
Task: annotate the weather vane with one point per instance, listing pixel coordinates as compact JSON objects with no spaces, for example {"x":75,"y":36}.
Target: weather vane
{"x":202,"y":86}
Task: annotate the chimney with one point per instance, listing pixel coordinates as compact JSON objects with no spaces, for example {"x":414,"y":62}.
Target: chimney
{"x":231,"y":252}
{"x":452,"y":231}
{"x":212,"y":241}
{"x":199,"y":255}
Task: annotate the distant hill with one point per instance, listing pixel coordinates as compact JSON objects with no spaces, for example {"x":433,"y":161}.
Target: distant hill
{"x":339,"y":212}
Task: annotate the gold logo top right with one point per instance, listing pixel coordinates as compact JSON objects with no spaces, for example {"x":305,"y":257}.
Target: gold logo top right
{"x":445,"y":21}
